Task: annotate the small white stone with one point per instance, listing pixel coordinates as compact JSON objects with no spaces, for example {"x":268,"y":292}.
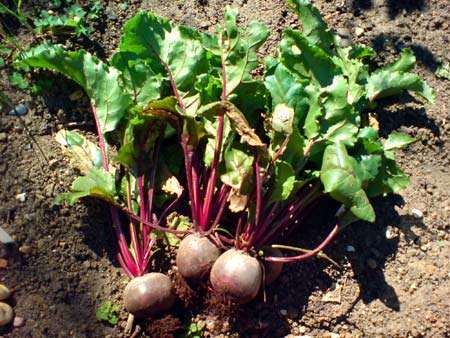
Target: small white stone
{"x":350,"y":248}
{"x":21,"y":197}
{"x":417,"y":213}
{"x":390,"y":233}
{"x":283,"y":312}
{"x":359,"y":31}
{"x":18,"y":321}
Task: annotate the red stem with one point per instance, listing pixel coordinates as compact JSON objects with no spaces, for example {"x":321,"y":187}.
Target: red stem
{"x":128,"y":259}
{"x":213,"y":176}
{"x":316,"y":250}
{"x":313,"y":252}
{"x":154,"y":225}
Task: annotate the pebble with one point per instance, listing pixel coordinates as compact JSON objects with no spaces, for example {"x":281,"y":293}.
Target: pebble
{"x":371,"y":263}
{"x":20,"y":110}
{"x":18,"y":321}
{"x":359,"y":31}
{"x":52,"y":163}
{"x":417,"y":213}
{"x":4,"y":292}
{"x":391,"y":233}
{"x":6,"y":314}
{"x":3,"y":137}
{"x":3,"y":168}
{"x":25,"y":249}
{"x":3,"y":263}
{"x":345,"y":35}
{"x":350,"y":248}
{"x":283,"y":312}
{"x":21,"y":197}
{"x":110,"y":14}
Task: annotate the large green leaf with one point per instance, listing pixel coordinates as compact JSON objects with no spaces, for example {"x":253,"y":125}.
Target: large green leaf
{"x":395,"y":78}
{"x":386,"y":83}
{"x":236,"y":49}
{"x":340,"y":121}
{"x":305,"y":59}
{"x":169,"y":50}
{"x":99,"y":81}
{"x":286,"y":88}
{"x":404,"y":64}
{"x":138,"y":79}
{"x":315,"y":28}
{"x":341,"y":183}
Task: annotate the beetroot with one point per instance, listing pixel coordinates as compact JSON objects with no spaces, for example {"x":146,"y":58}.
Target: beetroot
{"x":237,"y":274}
{"x":195,"y":256}
{"x":149,"y":294}
{"x":272,"y":270}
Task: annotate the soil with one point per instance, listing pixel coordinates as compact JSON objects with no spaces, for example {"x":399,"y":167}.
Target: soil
{"x":394,"y":275}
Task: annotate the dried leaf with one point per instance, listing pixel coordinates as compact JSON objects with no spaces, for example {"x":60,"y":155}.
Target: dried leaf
{"x":172,"y":186}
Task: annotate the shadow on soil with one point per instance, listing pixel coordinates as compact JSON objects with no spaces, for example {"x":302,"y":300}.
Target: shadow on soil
{"x":395,"y":7}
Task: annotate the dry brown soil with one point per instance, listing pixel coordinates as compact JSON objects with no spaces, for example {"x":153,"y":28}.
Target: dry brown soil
{"x":396,"y":281}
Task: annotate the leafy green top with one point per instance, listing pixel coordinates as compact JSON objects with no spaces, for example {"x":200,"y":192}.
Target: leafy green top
{"x":302,"y":124}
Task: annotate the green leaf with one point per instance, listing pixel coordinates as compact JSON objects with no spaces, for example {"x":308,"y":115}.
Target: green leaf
{"x":340,"y":121}
{"x":177,"y":222}
{"x":315,"y":29}
{"x":236,"y":49}
{"x":139,"y":81}
{"x":386,"y":83}
{"x":137,"y":153}
{"x":239,"y":168}
{"x":443,"y":71}
{"x":251,"y":98}
{"x":367,"y":168}
{"x":397,"y":141}
{"x":390,"y":179}
{"x":361,"y":52}
{"x":286,"y":88}
{"x":394,"y":78}
{"x":284,"y":180}
{"x":305,"y":59}
{"x":311,"y":126}
{"x":17,"y":80}
{"x":100,"y":82}
{"x":168,"y":50}
{"x":404,"y":64}
{"x":98,"y":183}
{"x":108,"y":312}
{"x":340,"y":182}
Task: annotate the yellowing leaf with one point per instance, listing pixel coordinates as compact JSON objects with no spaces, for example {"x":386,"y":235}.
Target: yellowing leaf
{"x":84,"y":155}
{"x":172,"y":186}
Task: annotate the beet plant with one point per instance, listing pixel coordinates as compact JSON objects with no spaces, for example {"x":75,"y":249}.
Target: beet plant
{"x":205,"y":82}
{"x":321,"y":143}
{"x":136,"y":180}
{"x":257,"y":155}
